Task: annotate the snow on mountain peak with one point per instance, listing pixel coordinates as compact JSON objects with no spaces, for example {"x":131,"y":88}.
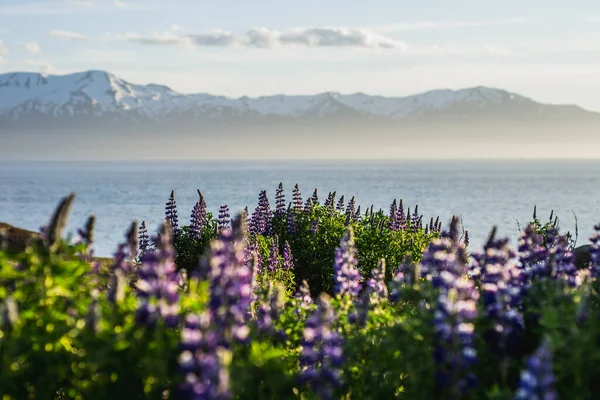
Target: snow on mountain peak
{"x":98,"y":93}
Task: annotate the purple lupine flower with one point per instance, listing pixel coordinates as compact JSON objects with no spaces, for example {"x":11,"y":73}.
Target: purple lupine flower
{"x":303,"y":296}
{"x":454,"y":352}
{"x":122,"y":265}
{"x":562,"y":261}
{"x":415,"y":221}
{"x":308,"y":205}
{"x":315,"y":197}
{"x":143,"y":238}
{"x":171,"y":214}
{"x":537,"y":379}
{"x":595,"y":252}
{"x":350,"y":211}
{"x":257,"y":223}
{"x":466,"y":239}
{"x":297,"y":198}
{"x":444,"y":264}
{"x":500,"y":292}
{"x":267,"y":214}
{"x":340,"y":205}
{"x":346,"y":276}
{"x":224,"y":221}
{"x":401,"y":217}
{"x":288,"y":258}
{"x":201,"y":360}
{"x":314,"y":226}
{"x":406,"y":275}
{"x":279,"y":200}
{"x":251,"y":253}
{"x":393,"y":225}
{"x":157,"y":285}
{"x":198,"y":217}
{"x":273,"y":264}
{"x":322,"y":353}
{"x":357,"y":215}
{"x":291,"y":220}
{"x":230,"y":288}
{"x":376,"y":287}
{"x":330,"y":201}
{"x":431,"y":225}
{"x":270,"y":309}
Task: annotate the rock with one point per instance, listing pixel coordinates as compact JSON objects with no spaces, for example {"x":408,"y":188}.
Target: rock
{"x":16,"y":238}
{"x":582,"y":256}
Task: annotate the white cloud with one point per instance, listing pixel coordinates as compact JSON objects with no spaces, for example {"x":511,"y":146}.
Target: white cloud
{"x":3,"y":48}
{"x":2,"y":60}
{"x":120,"y":4}
{"x":430,"y":25}
{"x":265,"y":38}
{"x":68,"y":35}
{"x":217,"y":38}
{"x":321,"y":37}
{"x":32,"y":47}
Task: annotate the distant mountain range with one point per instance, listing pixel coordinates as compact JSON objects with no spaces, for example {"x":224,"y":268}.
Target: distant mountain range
{"x":100,"y":99}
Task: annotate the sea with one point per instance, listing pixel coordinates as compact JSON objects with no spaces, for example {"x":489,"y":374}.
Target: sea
{"x":483,"y":193}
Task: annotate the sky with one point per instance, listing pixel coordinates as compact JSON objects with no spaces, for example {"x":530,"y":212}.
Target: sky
{"x":547,"y":50}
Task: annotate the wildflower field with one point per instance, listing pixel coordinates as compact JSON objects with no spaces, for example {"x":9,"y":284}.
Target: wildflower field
{"x":303,"y":300}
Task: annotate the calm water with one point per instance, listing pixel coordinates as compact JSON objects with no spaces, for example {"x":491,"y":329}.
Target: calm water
{"x":484,"y":193}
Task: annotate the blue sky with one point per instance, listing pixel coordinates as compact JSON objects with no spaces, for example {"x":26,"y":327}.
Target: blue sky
{"x":547,"y":50}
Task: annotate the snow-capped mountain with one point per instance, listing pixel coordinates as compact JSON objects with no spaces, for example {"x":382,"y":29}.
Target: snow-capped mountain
{"x":32,"y":99}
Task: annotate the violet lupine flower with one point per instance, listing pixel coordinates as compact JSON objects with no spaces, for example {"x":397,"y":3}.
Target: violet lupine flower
{"x":267,"y":214}
{"x":143,"y":238}
{"x":257,"y":222}
{"x":537,"y":380}
{"x":340,"y":205}
{"x":303,"y":296}
{"x":251,"y":253}
{"x":297,"y":198}
{"x":246,"y":218}
{"x":308,"y":205}
{"x":201,"y":360}
{"x":330,"y":201}
{"x":269,"y":311}
{"x":406,"y":275}
{"x":346,"y":276}
{"x":414,"y":223}
{"x":401,"y":221}
{"x":595,"y":252}
{"x":454,"y":352}
{"x":315,"y":197}
{"x":562,"y":261}
{"x":500,"y":292}
{"x":279,"y":200}
{"x":291,"y":220}
{"x":376,"y":287}
{"x":171,"y":214}
{"x":198,"y":217}
{"x":224,"y":221}
{"x":393,"y":225}
{"x":314,"y":226}
{"x":322,"y":353}
{"x":288,"y":258}
{"x":357,"y":215}
{"x":273,"y":264}
{"x":230,"y":288}
{"x":157,"y":286}
{"x":350,"y":208}
{"x":466,"y":239}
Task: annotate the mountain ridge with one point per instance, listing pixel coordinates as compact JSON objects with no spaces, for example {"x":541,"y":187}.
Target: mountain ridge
{"x":29,"y":99}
